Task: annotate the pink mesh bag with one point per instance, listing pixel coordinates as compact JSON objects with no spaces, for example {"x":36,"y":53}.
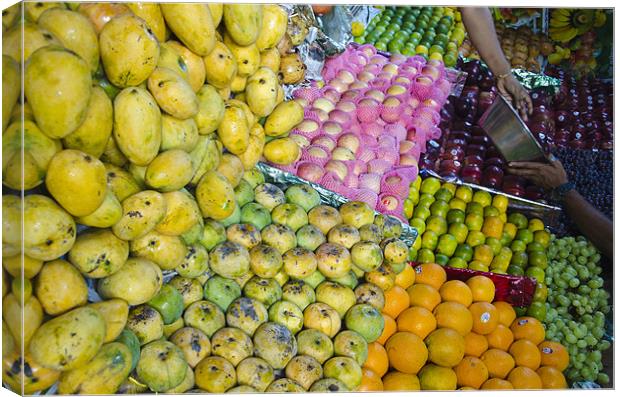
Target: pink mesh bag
{"x":366,"y":196}
{"x":325,"y":141}
{"x":398,"y":131}
{"x":390,"y":205}
{"x":367,"y":113}
{"x":395,"y":184}
{"x":372,"y":129}
{"x":379,"y":166}
{"x":391,"y":114}
{"x":310,"y":154}
{"x":307,"y":93}
{"x":370,"y":181}
{"x":365,"y":154}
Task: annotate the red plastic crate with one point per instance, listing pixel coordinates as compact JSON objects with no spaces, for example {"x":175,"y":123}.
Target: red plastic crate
{"x":516,"y":290}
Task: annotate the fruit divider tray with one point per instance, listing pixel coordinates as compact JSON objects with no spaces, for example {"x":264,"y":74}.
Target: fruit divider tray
{"x":550,"y":214}
{"x":516,"y":290}
{"x":282,"y":178}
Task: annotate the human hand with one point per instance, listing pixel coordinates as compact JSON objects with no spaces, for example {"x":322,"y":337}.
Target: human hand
{"x":514,"y":92}
{"x":547,"y":176}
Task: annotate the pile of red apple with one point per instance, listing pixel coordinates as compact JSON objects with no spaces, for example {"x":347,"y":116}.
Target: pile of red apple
{"x":364,"y":131}
{"x":464,"y":151}
{"x":579,"y":116}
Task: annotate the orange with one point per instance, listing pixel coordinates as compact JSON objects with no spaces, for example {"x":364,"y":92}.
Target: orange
{"x":446,"y":347}
{"x":501,"y":338}
{"x":431,"y":274}
{"x":506,"y":313}
{"x":528,"y":328}
{"x":377,"y":360}
{"x":398,"y":381}
{"x":483,"y":253}
{"x":475,"y":344}
{"x":389,"y":328}
{"x":435,"y":377}
{"x":482,"y":288}
{"x":407,"y":352}
{"x":471,"y":372}
{"x":493,"y":227}
{"x":553,"y":354}
{"x":423,"y":295}
{"x":453,"y":315}
{"x":417,"y":320}
{"x":498,"y":362}
{"x":396,"y":300}
{"x":485,"y":317}
{"x":406,"y":278}
{"x":496,"y":384}
{"x":524,"y":378}
{"x":456,"y":291}
{"x":552,"y":378}
{"x":370,"y":381}
{"x":525,"y":353}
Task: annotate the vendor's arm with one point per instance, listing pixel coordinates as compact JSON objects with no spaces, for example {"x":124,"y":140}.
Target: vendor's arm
{"x":481,"y":30}
{"x":591,"y":222}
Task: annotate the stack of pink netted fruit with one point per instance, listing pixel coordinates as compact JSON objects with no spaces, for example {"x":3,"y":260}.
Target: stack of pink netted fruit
{"x":364,"y":130}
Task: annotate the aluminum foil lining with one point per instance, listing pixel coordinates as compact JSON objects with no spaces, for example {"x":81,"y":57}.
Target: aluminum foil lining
{"x":282,"y":179}
{"x":533,"y":81}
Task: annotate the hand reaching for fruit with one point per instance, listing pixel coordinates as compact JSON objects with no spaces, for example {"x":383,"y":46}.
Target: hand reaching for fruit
{"x":547,"y":176}
{"x":518,"y":96}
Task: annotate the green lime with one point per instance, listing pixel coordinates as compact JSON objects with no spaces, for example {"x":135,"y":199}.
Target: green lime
{"x":464,"y":251}
{"x":515,"y":270}
{"x":441,"y":259}
{"x":426,"y":256}
{"x":537,"y":310}
{"x":536,"y":272}
{"x":520,"y":310}
{"x":519,"y":258}
{"x":457,"y":262}
{"x":455,"y":216}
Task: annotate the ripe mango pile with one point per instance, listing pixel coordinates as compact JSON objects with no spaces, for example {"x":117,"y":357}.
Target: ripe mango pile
{"x":142,"y":124}
{"x":159,"y":90}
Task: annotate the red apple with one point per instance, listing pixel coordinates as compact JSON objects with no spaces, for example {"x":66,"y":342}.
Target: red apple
{"x":310,"y":171}
{"x":473,"y":160}
{"x":471,"y":174}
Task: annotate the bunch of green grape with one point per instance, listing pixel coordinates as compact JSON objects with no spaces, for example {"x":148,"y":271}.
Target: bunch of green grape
{"x":576,"y":306}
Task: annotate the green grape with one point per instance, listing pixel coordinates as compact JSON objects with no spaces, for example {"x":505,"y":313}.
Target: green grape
{"x":578,"y":365}
{"x":579,"y":333}
{"x":570,"y":338}
{"x":573,"y":373}
{"x":602,"y":378}
{"x":604,"y":345}
{"x":573,"y":283}
{"x":591,"y":340}
{"x":581,"y":343}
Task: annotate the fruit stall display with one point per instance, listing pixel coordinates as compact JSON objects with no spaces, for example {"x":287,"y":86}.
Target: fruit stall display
{"x":433,"y":32}
{"x":462,"y":228}
{"x":154,"y":257}
{"x":580,"y":115}
{"x":464,"y":150}
{"x":523,"y":48}
{"x":364,"y":130}
{"x":591,"y":172}
{"x":577,"y":307}
{"x":457,"y":336}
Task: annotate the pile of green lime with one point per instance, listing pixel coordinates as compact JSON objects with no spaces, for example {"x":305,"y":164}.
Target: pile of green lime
{"x":433,"y":32}
{"x":464,"y":228}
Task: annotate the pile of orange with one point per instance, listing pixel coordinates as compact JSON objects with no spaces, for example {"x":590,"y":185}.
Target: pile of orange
{"x":444,"y":335}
